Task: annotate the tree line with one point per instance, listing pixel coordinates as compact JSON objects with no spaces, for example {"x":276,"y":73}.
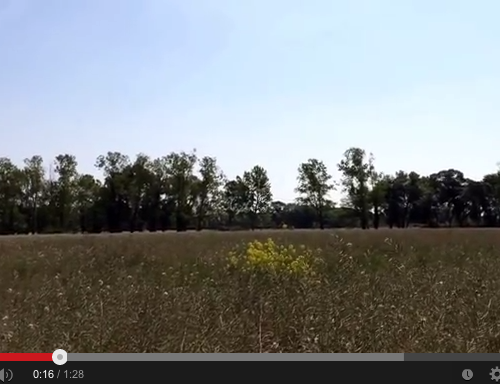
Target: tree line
{"x":182,"y":191}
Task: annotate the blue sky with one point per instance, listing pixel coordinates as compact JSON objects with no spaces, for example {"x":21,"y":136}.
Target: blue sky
{"x":270,"y":82}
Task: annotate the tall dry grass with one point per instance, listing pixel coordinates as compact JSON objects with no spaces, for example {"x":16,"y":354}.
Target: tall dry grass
{"x":377,"y":291}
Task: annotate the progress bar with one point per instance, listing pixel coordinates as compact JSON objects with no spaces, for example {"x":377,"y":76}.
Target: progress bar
{"x":235,"y":357}
{"x":60,"y":357}
{"x":284,"y":357}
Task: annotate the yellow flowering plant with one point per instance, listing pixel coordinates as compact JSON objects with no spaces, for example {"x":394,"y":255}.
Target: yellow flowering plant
{"x":271,"y":258}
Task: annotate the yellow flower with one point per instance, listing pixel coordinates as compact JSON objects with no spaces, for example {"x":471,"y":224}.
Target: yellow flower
{"x":268,"y":257}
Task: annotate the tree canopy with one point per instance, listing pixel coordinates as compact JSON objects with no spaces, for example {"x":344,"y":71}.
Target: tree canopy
{"x":182,"y":191}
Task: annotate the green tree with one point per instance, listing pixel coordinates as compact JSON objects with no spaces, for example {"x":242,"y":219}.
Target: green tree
{"x":168,"y":192}
{"x":113,"y":166}
{"x":379,"y":184}
{"x":10,"y":196}
{"x":180,"y":169}
{"x":235,"y":199}
{"x":137,"y":179}
{"x":86,"y":194}
{"x":207,"y":189}
{"x":34,"y":183}
{"x":314,"y":184}
{"x":491,"y":202}
{"x":449,"y":186}
{"x":259,"y":193}
{"x":356,"y":173}
{"x":65,"y":167}
{"x":404,"y":195}
{"x":160,"y":200}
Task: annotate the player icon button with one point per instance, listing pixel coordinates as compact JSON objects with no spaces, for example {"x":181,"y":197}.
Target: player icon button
{"x":60,"y":356}
{"x":467,"y":374}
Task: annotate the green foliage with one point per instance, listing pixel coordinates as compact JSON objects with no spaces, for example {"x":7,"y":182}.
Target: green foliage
{"x":356,"y":175}
{"x":182,"y":191}
{"x":258,"y":193}
{"x":207,"y":190}
{"x":314,"y":184}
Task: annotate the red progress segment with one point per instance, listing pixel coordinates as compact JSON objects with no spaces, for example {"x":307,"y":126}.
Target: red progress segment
{"x":25,"y":356}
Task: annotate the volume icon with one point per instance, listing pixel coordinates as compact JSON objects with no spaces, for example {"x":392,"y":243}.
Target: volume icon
{"x":6,"y":375}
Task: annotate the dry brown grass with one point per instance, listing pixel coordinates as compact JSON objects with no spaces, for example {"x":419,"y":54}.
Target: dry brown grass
{"x":381,"y":291}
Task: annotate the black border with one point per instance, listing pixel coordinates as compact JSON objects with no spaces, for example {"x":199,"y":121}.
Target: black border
{"x":275,"y":372}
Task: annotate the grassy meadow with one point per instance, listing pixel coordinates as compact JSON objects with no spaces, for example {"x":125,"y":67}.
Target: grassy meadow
{"x":415,"y":290}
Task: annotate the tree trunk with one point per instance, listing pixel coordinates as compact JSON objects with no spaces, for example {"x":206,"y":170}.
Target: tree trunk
{"x":253,"y":217}
{"x":321,"y":219}
{"x":364,"y":217}
{"x":180,"y":221}
{"x":230,"y":218}
{"x":376,"y":216}
{"x":199,"y":219}
{"x":83,"y":221}
{"x":34,"y":224}
{"x":199,"y":223}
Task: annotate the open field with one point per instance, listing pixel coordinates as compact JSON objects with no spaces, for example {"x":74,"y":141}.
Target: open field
{"x":409,"y":290}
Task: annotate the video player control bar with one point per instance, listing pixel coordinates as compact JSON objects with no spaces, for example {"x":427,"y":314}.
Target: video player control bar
{"x":60,"y":357}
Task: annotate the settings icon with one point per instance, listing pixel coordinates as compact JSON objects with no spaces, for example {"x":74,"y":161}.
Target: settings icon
{"x":495,"y":374}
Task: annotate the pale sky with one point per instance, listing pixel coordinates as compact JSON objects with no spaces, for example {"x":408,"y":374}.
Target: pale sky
{"x":271,"y":82}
